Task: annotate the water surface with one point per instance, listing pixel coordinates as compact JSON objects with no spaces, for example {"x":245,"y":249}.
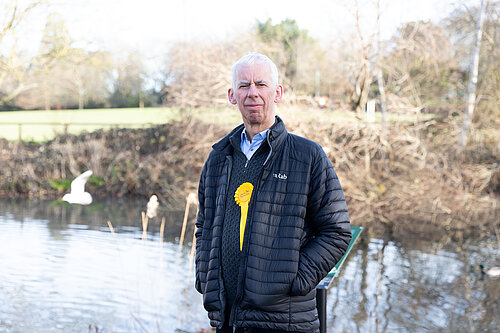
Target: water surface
{"x":62,"y":270}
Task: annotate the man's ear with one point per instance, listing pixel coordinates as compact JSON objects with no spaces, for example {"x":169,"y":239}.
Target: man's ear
{"x":279,"y":93}
{"x":230,"y":96}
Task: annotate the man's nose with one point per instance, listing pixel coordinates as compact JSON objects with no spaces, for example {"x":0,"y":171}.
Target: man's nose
{"x":252,"y":91}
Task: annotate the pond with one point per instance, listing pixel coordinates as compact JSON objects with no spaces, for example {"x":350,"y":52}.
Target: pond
{"x":63,"y":270}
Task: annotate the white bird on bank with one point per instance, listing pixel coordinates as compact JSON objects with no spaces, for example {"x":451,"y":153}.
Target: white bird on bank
{"x":78,"y":194}
{"x":152,"y":206}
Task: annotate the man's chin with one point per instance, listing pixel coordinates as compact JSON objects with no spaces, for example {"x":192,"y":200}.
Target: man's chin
{"x":255,"y":120}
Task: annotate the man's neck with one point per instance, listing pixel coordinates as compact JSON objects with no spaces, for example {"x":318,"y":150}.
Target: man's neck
{"x":254,"y":129}
{"x":247,"y":135}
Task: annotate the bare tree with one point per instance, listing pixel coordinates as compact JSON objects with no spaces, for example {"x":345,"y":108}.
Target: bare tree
{"x":471,"y":99}
{"x":364,"y":77}
{"x":129,"y":81}
{"x":380,"y":76}
{"x":200,"y":73}
{"x":369,"y":63}
{"x":87,"y":75}
{"x":421,"y":67}
{"x":49,"y":64}
{"x":12,"y":70}
{"x":13,"y":14}
{"x":65,"y":76}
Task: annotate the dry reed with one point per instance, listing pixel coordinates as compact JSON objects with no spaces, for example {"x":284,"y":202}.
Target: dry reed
{"x":144,"y":218}
{"x":190,"y":199}
{"x":162,"y":229}
{"x":111,"y":228}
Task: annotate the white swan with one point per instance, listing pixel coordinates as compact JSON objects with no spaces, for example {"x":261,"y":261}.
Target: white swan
{"x":152,"y":206}
{"x":78,"y":194}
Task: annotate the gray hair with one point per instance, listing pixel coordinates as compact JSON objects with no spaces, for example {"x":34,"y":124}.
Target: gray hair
{"x":255,"y":58}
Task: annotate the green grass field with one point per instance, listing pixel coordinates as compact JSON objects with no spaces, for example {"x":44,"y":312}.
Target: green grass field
{"x":43,"y":125}
{"x":50,"y":123}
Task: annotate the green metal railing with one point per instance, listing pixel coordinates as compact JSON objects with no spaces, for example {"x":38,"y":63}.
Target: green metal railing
{"x":322,"y":288}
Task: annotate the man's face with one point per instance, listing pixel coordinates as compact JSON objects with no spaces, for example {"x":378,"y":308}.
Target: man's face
{"x":255,"y":95}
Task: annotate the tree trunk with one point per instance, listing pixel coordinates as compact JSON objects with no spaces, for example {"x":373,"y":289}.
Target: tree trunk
{"x":365,"y":87}
{"x":141,"y":99}
{"x":81,"y":92}
{"x":471,"y":99}
{"x":46,"y":97}
{"x":383,"y":103}
{"x":366,"y":75}
{"x":380,"y":77}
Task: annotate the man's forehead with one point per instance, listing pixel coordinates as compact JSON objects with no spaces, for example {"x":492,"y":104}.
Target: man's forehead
{"x":254,"y":72}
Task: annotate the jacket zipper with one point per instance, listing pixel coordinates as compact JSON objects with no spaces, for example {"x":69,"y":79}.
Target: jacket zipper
{"x":245,"y":244}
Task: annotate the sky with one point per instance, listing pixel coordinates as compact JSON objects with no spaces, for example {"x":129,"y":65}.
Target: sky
{"x":153,"y":25}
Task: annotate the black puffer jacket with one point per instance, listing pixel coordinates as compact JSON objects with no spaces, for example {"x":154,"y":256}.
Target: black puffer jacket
{"x":299,"y":230}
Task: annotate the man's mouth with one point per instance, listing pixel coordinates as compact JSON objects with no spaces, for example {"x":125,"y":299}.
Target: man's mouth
{"x":253,"y":106}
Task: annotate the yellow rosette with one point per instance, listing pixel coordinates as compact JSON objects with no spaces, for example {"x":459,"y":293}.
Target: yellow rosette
{"x":242,"y":198}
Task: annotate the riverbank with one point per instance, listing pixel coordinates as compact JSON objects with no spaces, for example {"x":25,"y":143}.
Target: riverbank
{"x":410,"y":179}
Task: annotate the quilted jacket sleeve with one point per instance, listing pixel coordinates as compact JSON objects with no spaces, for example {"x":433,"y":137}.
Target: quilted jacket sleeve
{"x":200,"y":218}
{"x":328,"y":218}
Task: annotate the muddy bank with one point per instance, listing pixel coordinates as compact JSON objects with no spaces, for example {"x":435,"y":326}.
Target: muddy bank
{"x":165,"y":160}
{"x":409,"y":180}
{"x":413,"y":179}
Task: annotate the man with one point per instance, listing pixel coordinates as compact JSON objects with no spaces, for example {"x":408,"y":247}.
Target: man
{"x":272,"y":220}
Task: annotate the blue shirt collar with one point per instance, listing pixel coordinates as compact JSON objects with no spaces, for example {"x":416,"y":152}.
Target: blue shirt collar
{"x":248,"y":148}
{"x":259,"y":136}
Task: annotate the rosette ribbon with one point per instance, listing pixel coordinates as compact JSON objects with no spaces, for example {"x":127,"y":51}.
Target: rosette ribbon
{"x":242,"y":198}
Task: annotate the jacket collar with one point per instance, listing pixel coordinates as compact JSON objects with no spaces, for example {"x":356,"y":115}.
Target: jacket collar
{"x":275,"y":137}
{"x":277,"y":133}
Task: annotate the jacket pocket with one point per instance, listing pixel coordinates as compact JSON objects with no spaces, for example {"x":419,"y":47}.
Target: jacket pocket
{"x":299,"y":286}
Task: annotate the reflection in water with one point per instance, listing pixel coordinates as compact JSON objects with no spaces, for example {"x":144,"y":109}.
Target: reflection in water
{"x":62,"y":270}
{"x":388,"y":288}
{"x":125,"y":215}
